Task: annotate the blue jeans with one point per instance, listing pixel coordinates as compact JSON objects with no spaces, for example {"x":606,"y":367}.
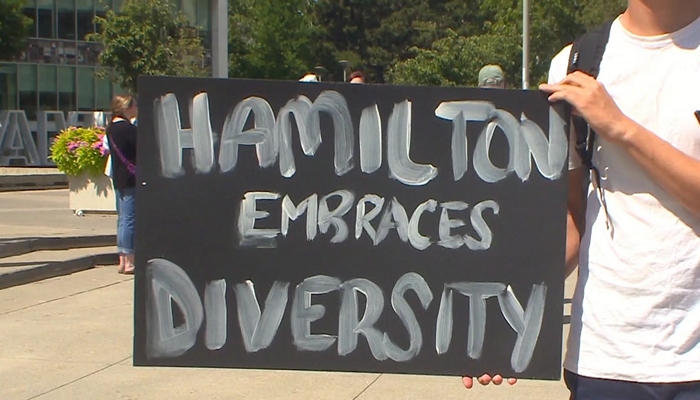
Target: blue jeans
{"x":584,"y":388}
{"x":126,"y":215}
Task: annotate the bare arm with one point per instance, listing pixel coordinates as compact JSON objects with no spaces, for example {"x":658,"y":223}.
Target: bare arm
{"x":670,"y":168}
{"x":575,"y":218}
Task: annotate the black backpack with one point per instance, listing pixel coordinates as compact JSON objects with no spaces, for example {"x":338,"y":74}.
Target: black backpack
{"x":586,"y":55}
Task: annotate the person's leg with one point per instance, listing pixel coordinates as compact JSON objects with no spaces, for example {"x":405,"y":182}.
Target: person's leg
{"x":120,"y":235}
{"x":128,"y":213}
{"x":585,"y":388}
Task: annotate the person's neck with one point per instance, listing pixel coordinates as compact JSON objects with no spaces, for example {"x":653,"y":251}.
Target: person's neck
{"x":658,"y":17}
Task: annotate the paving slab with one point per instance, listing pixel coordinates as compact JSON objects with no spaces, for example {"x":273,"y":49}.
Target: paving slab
{"x":31,"y":260}
{"x":22,"y":379}
{"x":126,"y":382}
{"x":36,"y":266}
{"x":411,"y":387}
{"x":49,"y":290}
{"x":92,"y":327}
{"x":46,"y":213}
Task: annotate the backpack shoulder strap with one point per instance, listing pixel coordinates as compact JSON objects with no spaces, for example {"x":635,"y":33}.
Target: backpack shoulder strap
{"x":587,"y":51}
{"x":586,"y":55}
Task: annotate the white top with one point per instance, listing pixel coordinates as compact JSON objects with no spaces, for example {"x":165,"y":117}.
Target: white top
{"x":636,"y":309}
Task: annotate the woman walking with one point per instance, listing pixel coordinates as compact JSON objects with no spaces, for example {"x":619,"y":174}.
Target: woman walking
{"x":121,"y":134}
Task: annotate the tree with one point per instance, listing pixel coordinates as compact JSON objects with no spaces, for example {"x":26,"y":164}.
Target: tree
{"x":14,"y":27}
{"x":373,"y":32}
{"x":597,"y":11}
{"x":149,"y":37}
{"x":270,"y":39}
{"x":457,"y":58}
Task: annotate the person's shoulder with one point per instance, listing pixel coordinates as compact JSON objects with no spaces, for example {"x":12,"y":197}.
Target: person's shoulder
{"x":121,"y":128}
{"x":559,"y":65}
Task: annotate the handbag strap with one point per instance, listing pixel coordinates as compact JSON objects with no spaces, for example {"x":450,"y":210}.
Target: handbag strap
{"x":129,"y":165}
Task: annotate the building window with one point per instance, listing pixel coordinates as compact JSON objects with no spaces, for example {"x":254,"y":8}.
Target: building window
{"x":85,"y":15}
{"x":8,"y":86}
{"x":103,"y":94}
{"x":48,"y":99}
{"x":45,"y":19}
{"x":30,"y":12}
{"x":86,"y":88}
{"x":117,"y":5}
{"x":27,"y":76}
{"x":88,"y":53}
{"x":66,"y":19}
{"x":66,"y":89}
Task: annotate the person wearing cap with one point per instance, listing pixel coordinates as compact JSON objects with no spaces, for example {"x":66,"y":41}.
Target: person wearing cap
{"x":491,"y":76}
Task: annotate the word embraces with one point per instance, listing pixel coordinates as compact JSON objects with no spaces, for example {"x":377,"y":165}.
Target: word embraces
{"x":320,"y":217}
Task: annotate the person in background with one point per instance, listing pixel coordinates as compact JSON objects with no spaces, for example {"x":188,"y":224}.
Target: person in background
{"x":491,"y":76}
{"x":309,"y":77}
{"x":121,"y":134}
{"x":357,"y":77}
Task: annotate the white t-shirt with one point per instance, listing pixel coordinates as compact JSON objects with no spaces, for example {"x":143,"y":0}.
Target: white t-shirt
{"x":636,"y":309}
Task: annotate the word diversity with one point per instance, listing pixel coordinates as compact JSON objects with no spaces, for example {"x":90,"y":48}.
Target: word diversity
{"x":168,"y":282}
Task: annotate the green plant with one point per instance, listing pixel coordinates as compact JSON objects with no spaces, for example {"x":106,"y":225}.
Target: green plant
{"x":76,"y":150}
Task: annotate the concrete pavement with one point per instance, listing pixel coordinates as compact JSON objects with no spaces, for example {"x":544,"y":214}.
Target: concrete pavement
{"x":40,"y":237}
{"x":70,"y":338}
{"x":45,"y":213}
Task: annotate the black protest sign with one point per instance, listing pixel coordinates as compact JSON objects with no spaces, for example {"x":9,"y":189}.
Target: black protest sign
{"x":342,"y":227}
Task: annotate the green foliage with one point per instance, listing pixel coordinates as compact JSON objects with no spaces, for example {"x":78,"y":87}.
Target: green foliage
{"x":595,"y":12}
{"x":76,"y":150}
{"x":446,"y":42}
{"x":455,"y":60}
{"x":270,"y":39}
{"x":14,"y":28}
{"x":149,"y":38}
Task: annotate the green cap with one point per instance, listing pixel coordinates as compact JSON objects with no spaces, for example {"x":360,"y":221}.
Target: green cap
{"x":491,"y":76}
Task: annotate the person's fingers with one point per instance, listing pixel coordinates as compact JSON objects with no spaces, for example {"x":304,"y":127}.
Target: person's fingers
{"x":578,"y":78}
{"x":468,"y":382}
{"x":547,"y":88}
{"x":484,"y":379}
{"x":567,"y":93}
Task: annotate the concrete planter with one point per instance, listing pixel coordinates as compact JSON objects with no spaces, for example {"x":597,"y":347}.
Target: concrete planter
{"x":91,"y":194}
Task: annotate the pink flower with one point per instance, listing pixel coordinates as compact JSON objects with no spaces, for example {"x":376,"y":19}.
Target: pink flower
{"x":73,"y":146}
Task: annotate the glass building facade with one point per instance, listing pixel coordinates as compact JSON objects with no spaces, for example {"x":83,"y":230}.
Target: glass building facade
{"x":58,"y":69}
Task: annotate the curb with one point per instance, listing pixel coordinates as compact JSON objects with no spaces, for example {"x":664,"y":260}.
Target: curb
{"x":10,"y":183}
{"x":55,"y":269}
{"x":19,"y":246}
